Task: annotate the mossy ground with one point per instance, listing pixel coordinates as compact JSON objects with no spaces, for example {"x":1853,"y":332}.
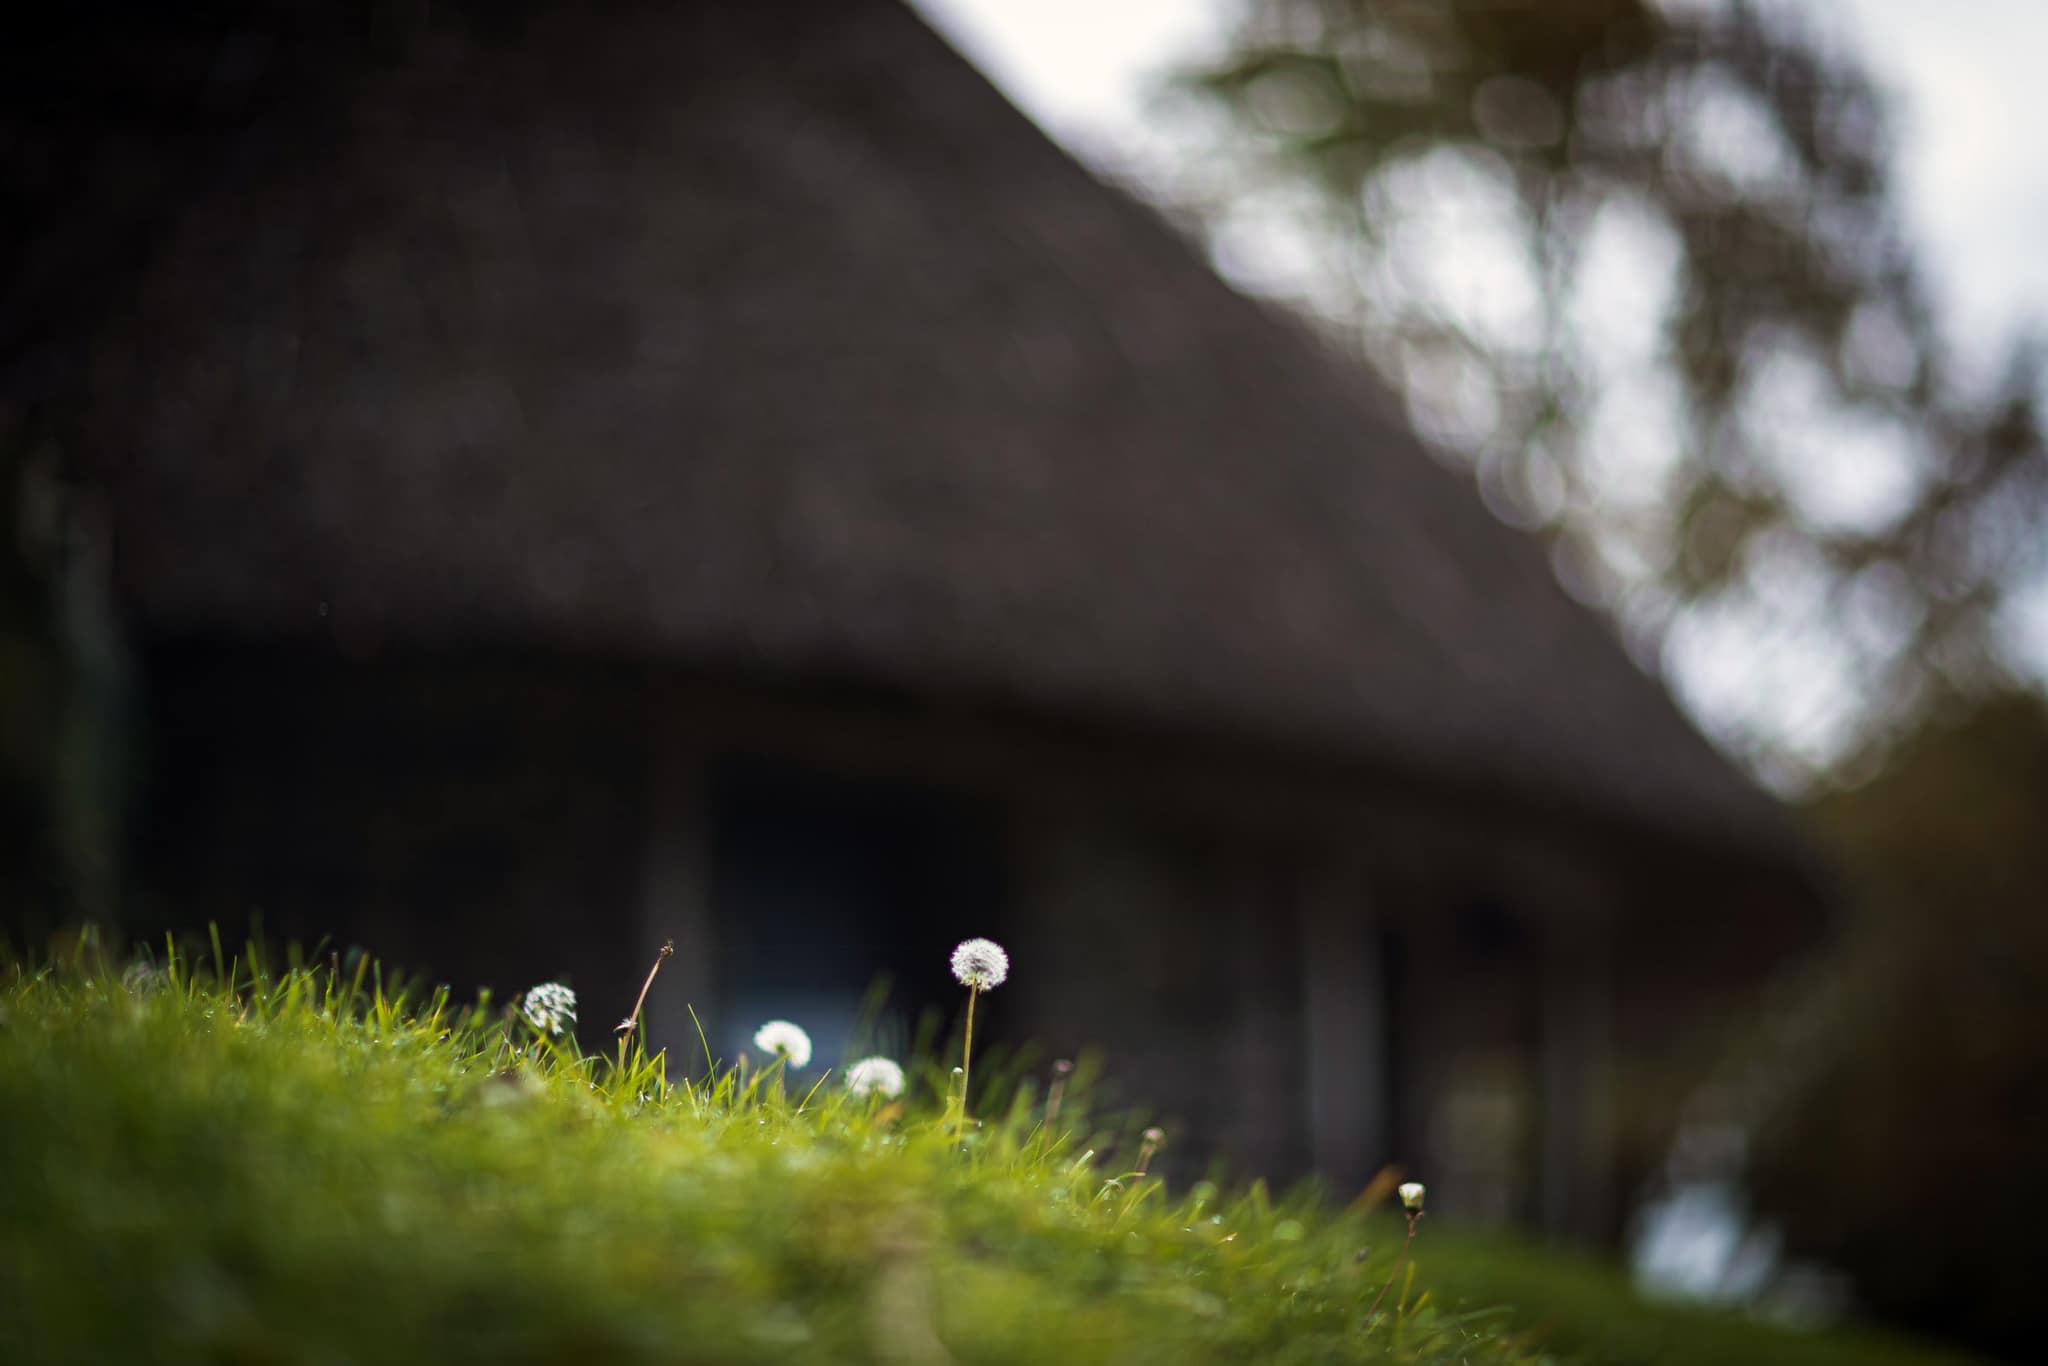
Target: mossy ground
{"x":296,"y":1168}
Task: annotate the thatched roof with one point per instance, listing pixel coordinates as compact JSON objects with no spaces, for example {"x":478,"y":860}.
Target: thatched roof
{"x":778,"y":341}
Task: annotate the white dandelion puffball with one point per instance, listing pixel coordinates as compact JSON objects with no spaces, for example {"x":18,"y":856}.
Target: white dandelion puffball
{"x":1411,"y":1196}
{"x":872,"y":1076}
{"x":981,"y":964}
{"x":550,"y":1008}
{"x":781,"y":1039}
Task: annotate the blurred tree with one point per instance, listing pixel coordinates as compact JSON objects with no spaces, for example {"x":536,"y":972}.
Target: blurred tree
{"x":28,"y":688}
{"x":1911,"y":1152}
{"x":105,"y":107}
{"x":59,"y":705}
{"x":1640,"y":265}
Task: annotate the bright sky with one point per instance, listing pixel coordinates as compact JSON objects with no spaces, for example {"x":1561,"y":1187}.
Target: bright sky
{"x":1080,"y":67}
{"x":1966,"y":74}
{"x":1969,"y":108}
{"x":1972,"y":105}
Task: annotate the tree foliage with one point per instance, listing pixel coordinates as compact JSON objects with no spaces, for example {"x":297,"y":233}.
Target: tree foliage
{"x":1911,"y":1157}
{"x":1642,"y":266}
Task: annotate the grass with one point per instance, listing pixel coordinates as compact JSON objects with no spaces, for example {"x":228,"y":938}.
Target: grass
{"x":1583,"y":1309}
{"x":296,"y":1167}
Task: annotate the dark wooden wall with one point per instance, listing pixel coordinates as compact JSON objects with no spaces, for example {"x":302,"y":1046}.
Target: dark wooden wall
{"x":1300,"y":973}
{"x":477,"y":822}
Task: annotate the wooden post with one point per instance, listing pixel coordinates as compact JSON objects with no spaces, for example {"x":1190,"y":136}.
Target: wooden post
{"x":1575,"y":1175}
{"x":675,"y":891}
{"x":1343,"y":1014}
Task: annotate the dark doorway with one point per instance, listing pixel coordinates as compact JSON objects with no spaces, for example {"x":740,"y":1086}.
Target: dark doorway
{"x":825,"y":885}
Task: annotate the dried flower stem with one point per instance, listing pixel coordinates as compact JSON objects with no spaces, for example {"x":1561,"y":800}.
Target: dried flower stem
{"x":1061,"y":1070}
{"x":1399,"y":1262}
{"x":632,"y":1021}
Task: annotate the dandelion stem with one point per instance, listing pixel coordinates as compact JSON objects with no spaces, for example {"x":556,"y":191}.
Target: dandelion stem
{"x":967,"y":1057}
{"x":1398,"y":1263}
{"x":978,"y":965}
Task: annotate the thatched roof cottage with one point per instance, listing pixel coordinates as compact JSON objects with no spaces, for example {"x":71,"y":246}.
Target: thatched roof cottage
{"x":580,"y":475}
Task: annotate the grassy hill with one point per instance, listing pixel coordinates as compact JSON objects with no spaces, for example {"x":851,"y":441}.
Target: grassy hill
{"x":300,"y":1169}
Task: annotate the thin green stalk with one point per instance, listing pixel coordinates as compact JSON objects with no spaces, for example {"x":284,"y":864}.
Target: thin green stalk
{"x":967,"y":1058}
{"x":812,"y":1092}
{"x":710,"y":1064}
{"x":1398,"y":1263}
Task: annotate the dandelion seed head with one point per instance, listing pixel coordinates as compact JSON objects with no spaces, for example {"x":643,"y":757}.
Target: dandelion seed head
{"x":875,"y":1075}
{"x":550,"y":1008}
{"x":781,"y":1039}
{"x":981,"y":964}
{"x":1411,"y":1196}
{"x":143,"y":978}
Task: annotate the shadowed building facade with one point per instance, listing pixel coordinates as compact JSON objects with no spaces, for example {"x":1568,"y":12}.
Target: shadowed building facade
{"x":584,"y":475}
